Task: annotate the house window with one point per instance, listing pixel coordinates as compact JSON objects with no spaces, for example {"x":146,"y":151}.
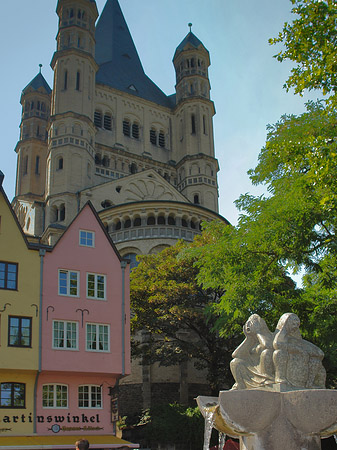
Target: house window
{"x":89,"y":396}
{"x":97,"y":337}
{"x":65,"y":335}
{"x":69,"y":283}
{"x":55,"y":396}
{"x":19,"y":331}
{"x":87,"y":238}
{"x":98,"y":119}
{"x":12,"y":395}
{"x":126,"y":127}
{"x":107,"y":121}
{"x":8,"y":276}
{"x":96,"y":286}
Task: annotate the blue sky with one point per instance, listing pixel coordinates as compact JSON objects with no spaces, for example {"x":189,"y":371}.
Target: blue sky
{"x":246,"y":80}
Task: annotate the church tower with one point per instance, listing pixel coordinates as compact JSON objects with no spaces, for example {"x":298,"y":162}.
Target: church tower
{"x":70,"y":164}
{"x":32,"y":145}
{"x":197,"y":166}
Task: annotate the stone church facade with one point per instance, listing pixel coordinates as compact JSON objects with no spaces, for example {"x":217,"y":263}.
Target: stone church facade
{"x":106,"y":133}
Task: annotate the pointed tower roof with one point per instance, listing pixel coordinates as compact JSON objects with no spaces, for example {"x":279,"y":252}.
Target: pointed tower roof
{"x":37,"y":83}
{"x":189,"y":41}
{"x":116,"y":54}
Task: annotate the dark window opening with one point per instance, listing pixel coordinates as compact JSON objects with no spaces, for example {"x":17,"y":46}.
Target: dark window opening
{"x":184,"y":223}
{"x":151,"y":220}
{"x":78,"y":79}
{"x":62,"y":213}
{"x":193,"y":124}
{"x":153,"y":136}
{"x":161,"y":139}
{"x":133,"y":168}
{"x":127,"y":223}
{"x":196,"y":199}
{"x":137,"y":222}
{"x":98,"y":119}
{"x":161,"y":220}
{"x":105,"y":161}
{"x":37,"y":165}
{"x":135,"y":130}
{"x":171,"y":220}
{"x":107,"y":121}
{"x":118,"y":225}
{"x":126,"y":128}
{"x":65,"y":86}
{"x":60,"y":164}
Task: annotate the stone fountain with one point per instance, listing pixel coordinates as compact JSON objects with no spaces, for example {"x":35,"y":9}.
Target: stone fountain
{"x":279,"y":400}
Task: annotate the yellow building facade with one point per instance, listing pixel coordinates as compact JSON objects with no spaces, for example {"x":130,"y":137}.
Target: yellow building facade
{"x":19,"y":324}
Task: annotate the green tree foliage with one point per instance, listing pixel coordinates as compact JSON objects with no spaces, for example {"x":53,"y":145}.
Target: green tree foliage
{"x":168,"y":303}
{"x":310,"y":40}
{"x":293,"y":226}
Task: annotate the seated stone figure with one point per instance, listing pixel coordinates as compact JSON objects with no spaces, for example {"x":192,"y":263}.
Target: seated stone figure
{"x":297,"y":362}
{"x":252,"y":365}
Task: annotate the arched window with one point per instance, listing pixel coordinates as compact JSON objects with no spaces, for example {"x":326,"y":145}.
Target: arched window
{"x":98,"y":118}
{"x":133,"y":168}
{"x":153,"y":136}
{"x":161,"y":139}
{"x":37,"y":165}
{"x":25,"y":165}
{"x":78,"y":80}
{"x":118,"y":225}
{"x":126,"y":127}
{"x":193,"y":225}
{"x":171,"y":220}
{"x":62,"y":212}
{"x":60,"y":163}
{"x":105,"y":161}
{"x":135,"y":130}
{"x":106,"y":203}
{"x":98,"y":159}
{"x":184,"y":223}
{"x":65,"y":84}
{"x":196,"y":199}
{"x":137,"y":222}
{"x":161,"y":220}
{"x":127,"y":223}
{"x":107,"y":121}
{"x":151,"y":220}
{"x":193,"y":124}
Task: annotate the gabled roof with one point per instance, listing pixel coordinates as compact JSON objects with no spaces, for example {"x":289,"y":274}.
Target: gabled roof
{"x":37,"y":83}
{"x":189,"y":40}
{"x":119,"y":64}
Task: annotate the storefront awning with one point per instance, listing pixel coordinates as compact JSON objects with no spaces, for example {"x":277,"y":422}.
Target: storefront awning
{"x":61,"y":442}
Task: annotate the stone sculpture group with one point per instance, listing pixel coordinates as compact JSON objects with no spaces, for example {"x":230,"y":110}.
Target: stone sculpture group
{"x":279,"y":394}
{"x":265,"y":358}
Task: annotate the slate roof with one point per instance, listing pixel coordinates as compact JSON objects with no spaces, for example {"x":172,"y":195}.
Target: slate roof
{"x":118,"y":60}
{"x":36,"y":83}
{"x":191,"y":39}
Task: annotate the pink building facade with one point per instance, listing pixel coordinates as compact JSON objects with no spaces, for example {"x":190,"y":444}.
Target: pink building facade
{"x":85,"y":333}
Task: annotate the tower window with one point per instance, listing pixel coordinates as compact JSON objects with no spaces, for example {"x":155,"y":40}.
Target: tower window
{"x":196,"y":199}
{"x":98,"y":119}
{"x":153,"y":136}
{"x":107,"y":121}
{"x":151,"y":220}
{"x":204,"y":124}
{"x":71,"y":13}
{"x":62,"y":212}
{"x":126,"y":127}
{"x":25,"y":165}
{"x":161,"y":139}
{"x":193,"y":124}
{"x":65,"y":85}
{"x":37,"y":165}
{"x":78,"y":79}
{"x":135,"y":130}
{"x":184,"y":223}
{"x":133,"y":168}
{"x":60,"y":164}
{"x":137,"y":222}
{"x":161,"y":220}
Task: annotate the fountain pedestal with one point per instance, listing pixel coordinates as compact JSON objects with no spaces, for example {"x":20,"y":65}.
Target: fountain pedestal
{"x":269,"y":420}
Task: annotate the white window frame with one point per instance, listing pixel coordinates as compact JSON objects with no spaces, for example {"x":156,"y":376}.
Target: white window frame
{"x":69,"y":272}
{"x":90,"y":395}
{"x":85,"y":244}
{"x":65,"y":322}
{"x":97,"y":331}
{"x":54,"y":385}
{"x":95,"y":296}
